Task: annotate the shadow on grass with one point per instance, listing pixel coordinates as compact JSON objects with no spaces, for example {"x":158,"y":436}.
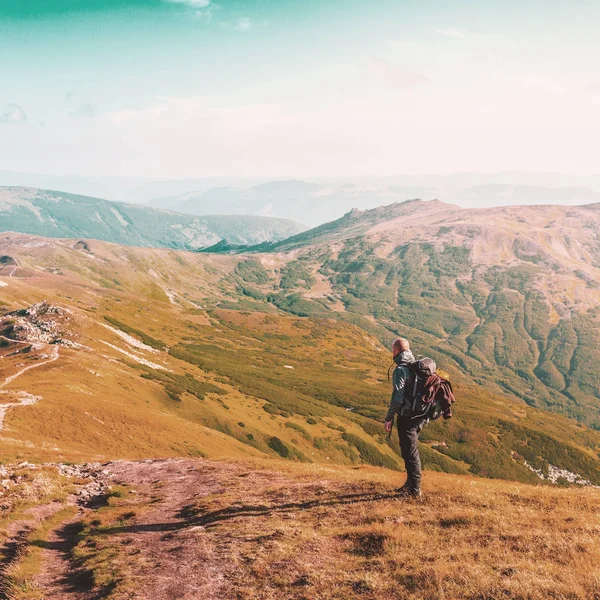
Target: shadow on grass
{"x":78,"y":579}
{"x":9,"y":553}
{"x":190,"y":516}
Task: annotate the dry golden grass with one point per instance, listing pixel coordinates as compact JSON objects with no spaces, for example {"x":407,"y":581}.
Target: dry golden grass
{"x":344,"y":537}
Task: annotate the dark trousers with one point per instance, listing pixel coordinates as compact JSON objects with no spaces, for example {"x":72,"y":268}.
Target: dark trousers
{"x":408,"y":432}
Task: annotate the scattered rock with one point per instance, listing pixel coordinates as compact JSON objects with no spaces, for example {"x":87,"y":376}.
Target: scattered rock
{"x":97,"y":486}
{"x":555,"y":474}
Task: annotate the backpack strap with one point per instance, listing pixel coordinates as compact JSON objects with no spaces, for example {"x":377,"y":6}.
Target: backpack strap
{"x":414,"y":392}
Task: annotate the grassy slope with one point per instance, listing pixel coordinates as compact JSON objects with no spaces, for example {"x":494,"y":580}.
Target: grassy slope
{"x":229,"y":392}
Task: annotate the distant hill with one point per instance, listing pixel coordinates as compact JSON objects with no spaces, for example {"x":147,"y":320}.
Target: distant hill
{"x":58,"y":214}
{"x":495,"y":194}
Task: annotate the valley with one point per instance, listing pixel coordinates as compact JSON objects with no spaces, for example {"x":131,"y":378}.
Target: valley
{"x":509,"y":296}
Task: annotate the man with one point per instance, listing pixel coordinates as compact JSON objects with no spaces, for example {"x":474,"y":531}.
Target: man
{"x":409,"y":425}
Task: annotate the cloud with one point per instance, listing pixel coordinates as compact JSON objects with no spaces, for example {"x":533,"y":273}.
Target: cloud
{"x":393,"y":75}
{"x":12,"y":114}
{"x":80,"y":109}
{"x":454,"y":33}
{"x":203,"y":9}
{"x":244,"y":24}
{"x":83,"y":110}
{"x":191,"y":3}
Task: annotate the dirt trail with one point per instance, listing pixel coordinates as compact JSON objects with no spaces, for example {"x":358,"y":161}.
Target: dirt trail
{"x":196,"y":529}
{"x":54,"y":355}
{"x":167,"y":558}
{"x":59,"y":579}
{"x":16,"y":533}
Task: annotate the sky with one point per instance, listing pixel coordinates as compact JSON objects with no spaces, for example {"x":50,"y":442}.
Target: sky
{"x":260,"y":88}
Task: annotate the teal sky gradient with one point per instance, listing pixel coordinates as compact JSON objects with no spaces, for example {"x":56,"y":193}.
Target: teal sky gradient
{"x":265,"y":87}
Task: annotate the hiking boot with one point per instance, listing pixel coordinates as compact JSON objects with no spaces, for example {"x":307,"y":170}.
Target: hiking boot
{"x":407,"y":491}
{"x":402,"y":489}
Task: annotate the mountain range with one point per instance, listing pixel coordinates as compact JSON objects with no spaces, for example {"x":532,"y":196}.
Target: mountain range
{"x":58,"y":214}
{"x":335,"y":195}
{"x":314,"y":203}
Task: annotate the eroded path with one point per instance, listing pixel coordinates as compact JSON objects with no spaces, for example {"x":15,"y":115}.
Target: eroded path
{"x":24,"y":398}
{"x":194,"y":529}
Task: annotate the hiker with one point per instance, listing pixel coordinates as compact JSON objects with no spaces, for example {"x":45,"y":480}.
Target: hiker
{"x":421,"y":394}
{"x":409,"y":424}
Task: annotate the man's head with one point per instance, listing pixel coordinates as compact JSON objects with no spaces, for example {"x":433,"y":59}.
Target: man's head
{"x":400,"y":345}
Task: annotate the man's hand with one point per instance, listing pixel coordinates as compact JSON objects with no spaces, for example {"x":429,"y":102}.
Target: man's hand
{"x":388,"y":426}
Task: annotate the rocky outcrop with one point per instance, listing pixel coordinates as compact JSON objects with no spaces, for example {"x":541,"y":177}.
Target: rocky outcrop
{"x":42,"y":323}
{"x":83,"y":246}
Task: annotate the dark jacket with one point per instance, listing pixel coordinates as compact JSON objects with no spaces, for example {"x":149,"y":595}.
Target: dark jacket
{"x":438,"y":392}
{"x":401,"y":379}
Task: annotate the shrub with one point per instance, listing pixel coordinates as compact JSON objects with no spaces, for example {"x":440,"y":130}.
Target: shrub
{"x":278,"y":446}
{"x":185,"y":383}
{"x":174,"y":392}
{"x":252,"y":271}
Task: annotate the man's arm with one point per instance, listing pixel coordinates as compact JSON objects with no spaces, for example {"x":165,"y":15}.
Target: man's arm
{"x":399,"y":382}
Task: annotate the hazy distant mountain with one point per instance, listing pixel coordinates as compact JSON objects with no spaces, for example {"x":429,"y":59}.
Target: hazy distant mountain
{"x":58,"y":214}
{"x":120,"y":189}
{"x":306,"y":202}
{"x":464,"y":188}
{"x":495,"y":194}
{"x":316,"y":203}
{"x":160,"y":193}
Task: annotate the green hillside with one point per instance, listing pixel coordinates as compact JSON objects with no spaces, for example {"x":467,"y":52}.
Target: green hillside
{"x":61,"y":215}
{"x":508,"y":297}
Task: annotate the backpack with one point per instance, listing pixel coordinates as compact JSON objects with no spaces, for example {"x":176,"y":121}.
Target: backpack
{"x":430,"y":391}
{"x":422,"y":369}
